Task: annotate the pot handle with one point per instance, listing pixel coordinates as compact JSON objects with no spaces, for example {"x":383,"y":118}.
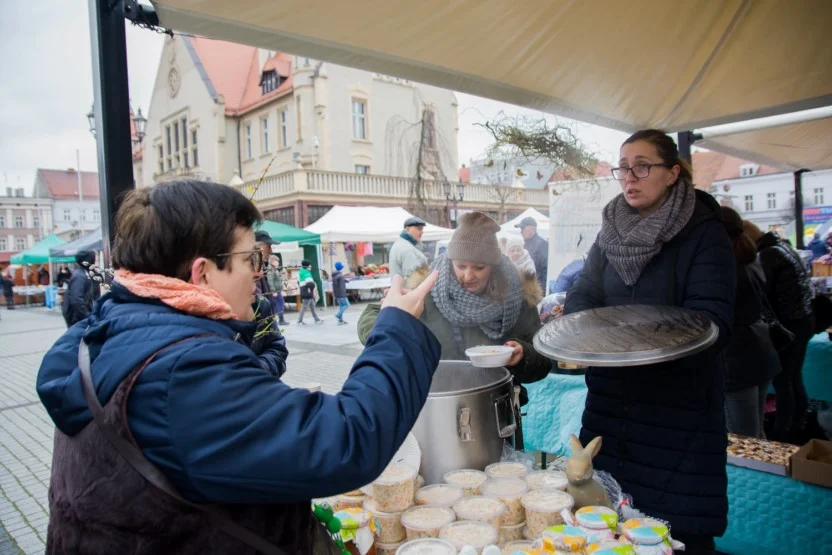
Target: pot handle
{"x":506,"y":422}
{"x":463,"y":425}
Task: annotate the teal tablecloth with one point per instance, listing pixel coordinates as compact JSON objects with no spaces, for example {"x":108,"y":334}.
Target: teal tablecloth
{"x":817,"y":368}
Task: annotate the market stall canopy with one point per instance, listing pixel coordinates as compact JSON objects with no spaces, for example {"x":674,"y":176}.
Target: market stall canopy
{"x":90,"y":242}
{"x":283,"y":233}
{"x":371,"y":224}
{"x":626,"y":65}
{"x":509,"y":228}
{"x":39,"y":254}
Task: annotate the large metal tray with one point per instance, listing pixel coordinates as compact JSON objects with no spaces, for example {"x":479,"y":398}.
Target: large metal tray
{"x":626,"y":335}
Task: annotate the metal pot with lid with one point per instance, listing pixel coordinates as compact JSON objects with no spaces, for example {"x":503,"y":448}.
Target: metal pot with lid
{"x":467,"y":416}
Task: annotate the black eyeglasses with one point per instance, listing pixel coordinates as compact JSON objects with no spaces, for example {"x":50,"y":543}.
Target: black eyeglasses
{"x":640,"y":171}
{"x":255,"y":258}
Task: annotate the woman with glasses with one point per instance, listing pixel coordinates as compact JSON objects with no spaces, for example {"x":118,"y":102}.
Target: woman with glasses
{"x":662,"y":243}
{"x":216,"y":454}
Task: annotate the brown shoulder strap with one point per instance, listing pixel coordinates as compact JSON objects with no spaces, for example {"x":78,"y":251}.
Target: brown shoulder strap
{"x":139,"y":462}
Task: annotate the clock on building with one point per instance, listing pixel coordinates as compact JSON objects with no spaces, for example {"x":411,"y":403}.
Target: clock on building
{"x":173,"y":82}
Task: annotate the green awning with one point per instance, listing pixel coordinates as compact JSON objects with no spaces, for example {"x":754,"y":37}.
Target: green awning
{"x":283,"y":233}
{"x":39,"y":254}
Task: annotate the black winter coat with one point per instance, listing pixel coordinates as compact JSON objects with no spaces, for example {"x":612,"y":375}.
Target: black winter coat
{"x":538,"y":249}
{"x":78,"y":298}
{"x":750,"y":357}
{"x":664,"y":425}
{"x":339,"y":286}
{"x":788,"y":284}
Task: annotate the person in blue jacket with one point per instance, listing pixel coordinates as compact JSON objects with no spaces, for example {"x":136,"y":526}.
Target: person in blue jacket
{"x":172,"y":367}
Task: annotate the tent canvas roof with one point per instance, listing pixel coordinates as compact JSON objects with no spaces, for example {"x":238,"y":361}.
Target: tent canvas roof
{"x":89,"y":242}
{"x":39,"y":254}
{"x":283,"y":233}
{"x":369,"y":224}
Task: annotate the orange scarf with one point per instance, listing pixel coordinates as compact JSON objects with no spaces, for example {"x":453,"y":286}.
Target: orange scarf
{"x":196,"y":300}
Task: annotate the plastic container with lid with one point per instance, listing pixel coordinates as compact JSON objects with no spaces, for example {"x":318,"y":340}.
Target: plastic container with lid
{"x":506,"y":469}
{"x":439,"y":495}
{"x":649,"y":536}
{"x":481,"y":508}
{"x":425,"y":521}
{"x":509,"y":491}
{"x":427,"y":546}
{"x":547,"y":479}
{"x":564,"y":538}
{"x":543,"y":508}
{"x":601,"y":523}
{"x":469,"y":532}
{"x":511,"y":533}
{"x":520,"y":546}
{"x":469,"y":480}
{"x":610,"y":547}
{"x":349,"y":502}
{"x":388,"y":548}
{"x":388,"y":526}
{"x":356,"y":530}
{"x":393,"y":490}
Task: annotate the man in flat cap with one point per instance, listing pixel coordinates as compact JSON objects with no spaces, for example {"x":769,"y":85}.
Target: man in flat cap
{"x":538,"y":248}
{"x":405,"y":255}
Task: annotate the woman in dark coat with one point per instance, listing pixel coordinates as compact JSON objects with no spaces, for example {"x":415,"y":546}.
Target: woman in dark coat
{"x":751,"y":359}
{"x":662,"y":243}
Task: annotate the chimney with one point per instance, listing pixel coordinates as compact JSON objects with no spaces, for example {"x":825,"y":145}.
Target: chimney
{"x":70,"y":170}
{"x":9,"y":192}
{"x":19,"y":193}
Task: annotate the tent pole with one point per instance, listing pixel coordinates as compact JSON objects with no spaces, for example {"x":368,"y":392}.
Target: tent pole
{"x":798,"y":208}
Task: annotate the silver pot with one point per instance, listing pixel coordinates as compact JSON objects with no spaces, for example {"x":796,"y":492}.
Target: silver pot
{"x":467,"y":416}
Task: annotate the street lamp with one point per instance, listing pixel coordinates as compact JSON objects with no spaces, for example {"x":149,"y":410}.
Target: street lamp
{"x":453,"y":194}
{"x":91,"y":119}
{"x":139,"y":121}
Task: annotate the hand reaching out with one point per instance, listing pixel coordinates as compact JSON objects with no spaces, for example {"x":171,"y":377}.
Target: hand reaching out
{"x":412,"y":302}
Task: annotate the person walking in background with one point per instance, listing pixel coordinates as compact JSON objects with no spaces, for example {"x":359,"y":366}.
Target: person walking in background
{"x":7,"y":283}
{"x":264,"y":243}
{"x":276,"y":276}
{"x":519,"y":256}
{"x":339,"y":292}
{"x":538,"y":248}
{"x":750,"y":357}
{"x":307,"y":292}
{"x":43,"y":276}
{"x":63,"y":276}
{"x":405,"y":256}
{"x":819,"y":248}
{"x":80,"y":295}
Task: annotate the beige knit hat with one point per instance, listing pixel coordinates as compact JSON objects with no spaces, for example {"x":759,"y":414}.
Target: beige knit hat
{"x":475,"y":240}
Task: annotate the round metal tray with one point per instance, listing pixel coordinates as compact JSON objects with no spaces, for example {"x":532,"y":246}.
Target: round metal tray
{"x":626,"y":335}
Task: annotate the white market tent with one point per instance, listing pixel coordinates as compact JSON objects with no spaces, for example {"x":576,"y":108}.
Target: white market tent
{"x":372,"y":224}
{"x":626,"y":65}
{"x":508,"y":229}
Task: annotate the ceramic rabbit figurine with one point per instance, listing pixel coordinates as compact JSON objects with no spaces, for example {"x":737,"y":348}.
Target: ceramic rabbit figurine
{"x":582,"y":487}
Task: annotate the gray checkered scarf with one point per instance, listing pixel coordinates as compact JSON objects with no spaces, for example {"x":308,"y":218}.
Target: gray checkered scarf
{"x":630,"y":242}
{"x":465,"y":310}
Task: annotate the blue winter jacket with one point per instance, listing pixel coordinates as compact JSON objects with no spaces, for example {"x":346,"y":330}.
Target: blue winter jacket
{"x":219,"y":425}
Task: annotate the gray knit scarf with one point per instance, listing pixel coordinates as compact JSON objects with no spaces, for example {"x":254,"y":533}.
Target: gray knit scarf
{"x":465,"y":310}
{"x":630,"y":242}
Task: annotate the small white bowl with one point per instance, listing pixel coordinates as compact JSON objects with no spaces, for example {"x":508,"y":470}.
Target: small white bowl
{"x":489,"y":356}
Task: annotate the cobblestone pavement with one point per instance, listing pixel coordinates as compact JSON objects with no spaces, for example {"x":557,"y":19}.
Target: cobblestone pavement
{"x":319,"y":354}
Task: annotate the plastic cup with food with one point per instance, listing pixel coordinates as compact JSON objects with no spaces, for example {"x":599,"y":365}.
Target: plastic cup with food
{"x":547,"y":479}
{"x":426,"y":521}
{"x":388,"y":548}
{"x":512,"y":533}
{"x":510,"y":491}
{"x":469,"y":532}
{"x":543,"y":508}
{"x":469,"y":480}
{"x":601,"y":523}
{"x":427,"y":546}
{"x":506,"y":469}
{"x":388,"y":526}
{"x":519,"y":546}
{"x":565,"y":538}
{"x":489,"y":356}
{"x":393,"y":490}
{"x":439,"y":495}
{"x":480,"y":508}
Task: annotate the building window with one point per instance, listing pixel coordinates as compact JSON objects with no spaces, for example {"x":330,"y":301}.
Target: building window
{"x":283,"y":117}
{"x":248,"y":141}
{"x":96,"y":214}
{"x":176,"y":144}
{"x":748,"y":170}
{"x":306,"y":62}
{"x":749,"y":203}
{"x":168,"y":141}
{"x":359,"y":119}
{"x":161,"y":159}
{"x":67,"y":215}
{"x":194,"y":148}
{"x":3,"y":245}
{"x":269,"y":81}
{"x":283,"y":215}
{"x":36,"y":222}
{"x":363,"y":170}
{"x":771,"y":201}
{"x":315,"y":213}
{"x":20,"y":244}
{"x":18,"y":221}
{"x":2,"y":221}
{"x":264,"y":125}
{"x":185,"y":158}
{"x":298,"y":119}
{"x":818,"y":197}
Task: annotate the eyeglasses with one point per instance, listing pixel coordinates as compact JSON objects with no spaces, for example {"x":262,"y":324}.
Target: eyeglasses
{"x":255,"y":258}
{"x":640,"y":171}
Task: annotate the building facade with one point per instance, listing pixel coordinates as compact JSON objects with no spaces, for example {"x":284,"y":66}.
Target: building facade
{"x":74,"y":199}
{"x":23,"y":221}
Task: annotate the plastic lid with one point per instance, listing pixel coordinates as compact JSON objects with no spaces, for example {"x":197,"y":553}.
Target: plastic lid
{"x":439,"y":495}
{"x":396,"y":473}
{"x":469,"y":532}
{"x":610,"y":547}
{"x":505,"y":488}
{"x":547,"y":479}
{"x":564,"y":537}
{"x":465,"y":478}
{"x":427,"y":546}
{"x":371,"y":505}
{"x":507,"y":469}
{"x":479,"y":507}
{"x":353,"y":518}
{"x":597,"y":518}
{"x":645,"y":531}
{"x":426,"y":517}
{"x":547,"y":501}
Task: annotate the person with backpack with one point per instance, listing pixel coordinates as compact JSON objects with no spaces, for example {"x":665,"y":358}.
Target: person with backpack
{"x":308,"y":290}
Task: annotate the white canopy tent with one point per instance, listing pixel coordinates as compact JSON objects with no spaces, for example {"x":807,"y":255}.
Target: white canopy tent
{"x":509,"y":229}
{"x":372,"y":224}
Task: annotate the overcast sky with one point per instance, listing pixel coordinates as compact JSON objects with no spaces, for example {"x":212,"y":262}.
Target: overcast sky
{"x":46,"y":92}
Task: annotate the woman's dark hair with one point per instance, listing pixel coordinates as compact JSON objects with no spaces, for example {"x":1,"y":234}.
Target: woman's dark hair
{"x":666,"y":148}
{"x":745,"y":249}
{"x":162,"y":229}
